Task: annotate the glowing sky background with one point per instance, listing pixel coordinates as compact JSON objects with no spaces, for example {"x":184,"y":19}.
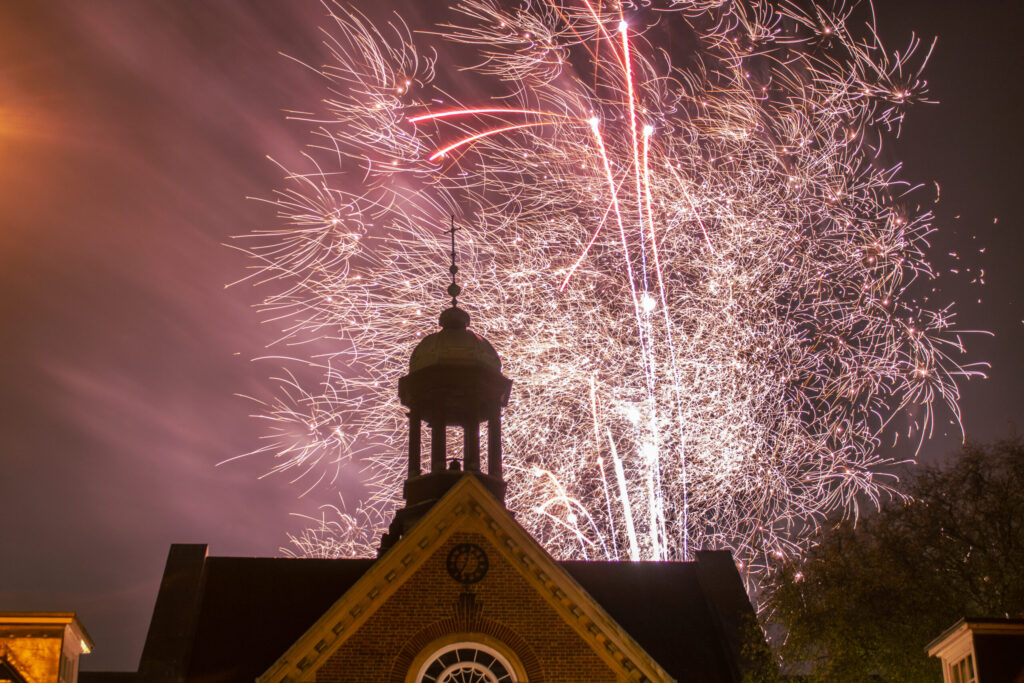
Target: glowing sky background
{"x":131,"y":133}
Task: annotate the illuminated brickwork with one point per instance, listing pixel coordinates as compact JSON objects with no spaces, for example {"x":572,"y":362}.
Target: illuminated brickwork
{"x":426,"y":608}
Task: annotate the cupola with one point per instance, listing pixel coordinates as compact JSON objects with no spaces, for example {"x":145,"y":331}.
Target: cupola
{"x":455,"y":381}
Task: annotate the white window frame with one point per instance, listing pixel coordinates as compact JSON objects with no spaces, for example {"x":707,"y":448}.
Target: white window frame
{"x":500,"y":651}
{"x":970,"y":669}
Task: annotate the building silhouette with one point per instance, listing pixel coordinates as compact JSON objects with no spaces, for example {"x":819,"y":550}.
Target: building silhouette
{"x":460,"y":592}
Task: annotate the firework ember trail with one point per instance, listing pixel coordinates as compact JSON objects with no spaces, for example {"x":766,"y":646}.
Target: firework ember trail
{"x":680,"y":228}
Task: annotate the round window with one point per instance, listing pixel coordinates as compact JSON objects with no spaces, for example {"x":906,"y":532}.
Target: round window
{"x":466,"y":663}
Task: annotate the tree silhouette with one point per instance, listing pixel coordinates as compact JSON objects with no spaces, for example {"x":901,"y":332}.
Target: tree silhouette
{"x":865,"y":602}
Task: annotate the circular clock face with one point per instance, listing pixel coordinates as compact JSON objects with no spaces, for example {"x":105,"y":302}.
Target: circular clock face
{"x":467,"y":563}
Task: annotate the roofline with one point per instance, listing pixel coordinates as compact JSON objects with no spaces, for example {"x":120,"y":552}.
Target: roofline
{"x":990,"y":625}
{"x":932,"y":648}
{"x":49,"y":619}
{"x":37,"y":617}
{"x":979,"y":625}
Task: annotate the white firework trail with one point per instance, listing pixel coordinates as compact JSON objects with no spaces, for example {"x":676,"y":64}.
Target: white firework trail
{"x":683,"y":240}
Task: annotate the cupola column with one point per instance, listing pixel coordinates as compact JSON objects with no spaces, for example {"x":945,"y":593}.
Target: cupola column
{"x":494,"y":443}
{"x":471,"y":438}
{"x":438,"y":446}
{"x":414,"y":443}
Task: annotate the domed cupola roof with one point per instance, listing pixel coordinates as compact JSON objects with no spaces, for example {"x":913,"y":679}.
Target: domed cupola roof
{"x":454,"y":384}
{"x":454,"y":345}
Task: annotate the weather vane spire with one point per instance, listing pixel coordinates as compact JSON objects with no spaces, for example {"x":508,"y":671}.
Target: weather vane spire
{"x":453,"y":289}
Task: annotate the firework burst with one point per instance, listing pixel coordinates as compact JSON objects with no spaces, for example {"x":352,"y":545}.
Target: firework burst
{"x":682,"y":239}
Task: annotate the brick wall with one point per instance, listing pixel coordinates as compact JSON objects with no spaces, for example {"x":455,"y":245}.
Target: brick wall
{"x":425,"y":608}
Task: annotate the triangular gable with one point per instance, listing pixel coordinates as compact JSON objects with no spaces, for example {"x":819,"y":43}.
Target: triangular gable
{"x":8,"y":672}
{"x":468,"y":506}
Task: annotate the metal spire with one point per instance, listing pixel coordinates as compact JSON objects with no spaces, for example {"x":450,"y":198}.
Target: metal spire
{"x":453,"y":289}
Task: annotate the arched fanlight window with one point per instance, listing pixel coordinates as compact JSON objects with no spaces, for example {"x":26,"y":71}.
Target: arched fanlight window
{"x":466,"y":663}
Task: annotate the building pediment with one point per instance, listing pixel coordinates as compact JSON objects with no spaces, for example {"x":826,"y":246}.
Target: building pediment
{"x":414,"y":569}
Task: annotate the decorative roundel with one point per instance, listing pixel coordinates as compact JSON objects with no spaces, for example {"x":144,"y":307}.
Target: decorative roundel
{"x":467,"y":563}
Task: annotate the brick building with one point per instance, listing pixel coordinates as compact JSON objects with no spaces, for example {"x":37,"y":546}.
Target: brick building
{"x":41,"y":647}
{"x":460,"y":591}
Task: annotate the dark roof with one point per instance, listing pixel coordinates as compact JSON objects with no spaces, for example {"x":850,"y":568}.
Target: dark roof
{"x":689,"y":616}
{"x":255,"y":608}
{"x":230,"y":618}
{"x":106,"y":676}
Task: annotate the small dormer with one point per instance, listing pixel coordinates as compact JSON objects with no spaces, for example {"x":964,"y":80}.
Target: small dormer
{"x":41,"y":647}
{"x":981,"y":651}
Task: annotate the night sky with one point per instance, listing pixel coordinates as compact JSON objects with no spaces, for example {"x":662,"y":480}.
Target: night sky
{"x":132,"y":133}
